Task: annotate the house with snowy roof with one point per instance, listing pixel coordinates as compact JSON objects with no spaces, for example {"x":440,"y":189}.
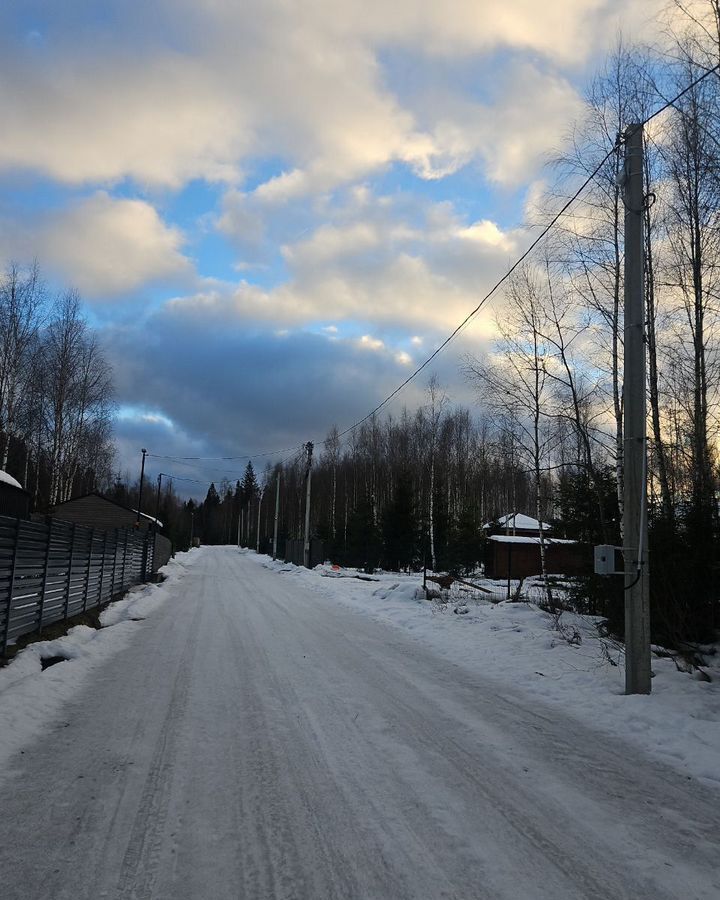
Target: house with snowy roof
{"x":513,"y":550}
{"x":520,"y":525}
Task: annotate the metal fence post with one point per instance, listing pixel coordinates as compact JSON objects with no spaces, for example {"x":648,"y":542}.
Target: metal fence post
{"x":102,"y":570}
{"x":45,"y":576}
{"x":6,"y":633}
{"x":146,"y":554}
{"x":66,"y":610}
{"x":87,"y":573}
{"x":122,"y":582}
{"x":115,"y":549}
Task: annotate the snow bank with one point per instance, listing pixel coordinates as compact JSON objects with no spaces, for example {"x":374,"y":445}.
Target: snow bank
{"x":517,"y":646}
{"x":31,"y":699}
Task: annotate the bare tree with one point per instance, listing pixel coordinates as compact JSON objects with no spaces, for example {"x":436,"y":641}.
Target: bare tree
{"x":516,"y":384}
{"x":21,"y":301}
{"x":77,"y":395}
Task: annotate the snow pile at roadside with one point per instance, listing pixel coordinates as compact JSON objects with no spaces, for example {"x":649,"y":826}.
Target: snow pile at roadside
{"x":30,"y":698}
{"x":518,"y":646}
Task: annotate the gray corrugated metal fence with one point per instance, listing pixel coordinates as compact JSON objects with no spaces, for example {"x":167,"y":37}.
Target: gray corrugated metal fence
{"x":50,"y":572}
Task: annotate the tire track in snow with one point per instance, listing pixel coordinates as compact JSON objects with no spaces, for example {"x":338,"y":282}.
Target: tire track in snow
{"x":142,"y":855}
{"x":425,"y":731}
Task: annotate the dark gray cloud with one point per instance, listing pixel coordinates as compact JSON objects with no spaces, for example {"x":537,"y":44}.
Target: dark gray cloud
{"x":202,"y":388}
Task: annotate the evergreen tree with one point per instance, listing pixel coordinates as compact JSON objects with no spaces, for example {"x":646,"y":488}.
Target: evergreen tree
{"x":400,"y":534}
{"x":465,"y":544}
{"x":249,"y":489}
{"x":211,"y":517}
{"x":578,"y":506}
{"x":363,"y":544}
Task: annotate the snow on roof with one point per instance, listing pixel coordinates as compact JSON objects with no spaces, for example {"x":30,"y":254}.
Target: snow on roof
{"x":8,"y":479}
{"x":521,"y":539}
{"x":152,"y":519}
{"x":521,"y":521}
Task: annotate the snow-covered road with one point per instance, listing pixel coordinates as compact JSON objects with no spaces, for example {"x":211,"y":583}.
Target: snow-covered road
{"x":257,"y":740}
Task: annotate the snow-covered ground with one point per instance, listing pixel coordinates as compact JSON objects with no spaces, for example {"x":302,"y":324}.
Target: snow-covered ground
{"x":518,"y":644}
{"x":249,"y":729}
{"x":30,"y":698}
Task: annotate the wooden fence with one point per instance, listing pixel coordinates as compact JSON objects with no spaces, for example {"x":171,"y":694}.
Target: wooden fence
{"x":51,"y":572}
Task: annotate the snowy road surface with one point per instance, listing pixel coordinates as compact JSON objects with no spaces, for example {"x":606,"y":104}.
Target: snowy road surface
{"x":257,"y":740}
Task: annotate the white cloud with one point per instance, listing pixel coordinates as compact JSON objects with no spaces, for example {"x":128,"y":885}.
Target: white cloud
{"x":488,"y":233}
{"x":189,"y":89}
{"x":369,"y":342}
{"x":102,"y":245}
{"x":391,"y":261}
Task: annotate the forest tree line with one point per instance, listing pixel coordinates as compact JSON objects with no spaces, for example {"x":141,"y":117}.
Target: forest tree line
{"x":547,"y":435}
{"x":549,"y":438}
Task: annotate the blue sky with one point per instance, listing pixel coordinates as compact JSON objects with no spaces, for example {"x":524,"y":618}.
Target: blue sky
{"x":272,"y":212}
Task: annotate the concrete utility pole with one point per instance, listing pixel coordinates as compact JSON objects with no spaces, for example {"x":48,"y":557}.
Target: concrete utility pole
{"x":257,"y":540}
{"x":142,"y":478}
{"x":157,"y":501}
{"x":308,"y":476}
{"x":635,"y":531}
{"x":277,"y":514}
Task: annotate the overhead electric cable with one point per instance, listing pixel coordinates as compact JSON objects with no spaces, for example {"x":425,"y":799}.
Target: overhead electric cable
{"x":471,"y":315}
{"x":682,"y":93}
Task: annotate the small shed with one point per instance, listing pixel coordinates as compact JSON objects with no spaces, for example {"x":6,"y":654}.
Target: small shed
{"x":14,"y":499}
{"x":516,"y":556}
{"x":97,"y":511}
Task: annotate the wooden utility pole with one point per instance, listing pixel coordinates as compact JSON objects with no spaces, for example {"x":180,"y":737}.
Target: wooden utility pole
{"x":635,"y":531}
{"x":277,"y":514}
{"x":308,"y":477}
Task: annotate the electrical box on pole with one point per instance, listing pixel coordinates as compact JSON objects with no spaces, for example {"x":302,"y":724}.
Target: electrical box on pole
{"x":635,"y":533}
{"x":609,"y":560}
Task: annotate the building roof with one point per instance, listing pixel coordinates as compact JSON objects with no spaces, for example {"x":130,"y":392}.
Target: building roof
{"x":522,"y":539}
{"x":8,"y":479}
{"x":113,"y":502}
{"x":520,"y":522}
{"x":148,"y":516}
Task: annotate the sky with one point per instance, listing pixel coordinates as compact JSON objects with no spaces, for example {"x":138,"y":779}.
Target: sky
{"x":274,"y":211}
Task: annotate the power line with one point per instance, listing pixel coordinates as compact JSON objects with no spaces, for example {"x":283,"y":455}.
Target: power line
{"x":471,"y":315}
{"x":222,"y":458}
{"x":524,"y":256}
{"x":179,"y":478}
{"x":682,"y":93}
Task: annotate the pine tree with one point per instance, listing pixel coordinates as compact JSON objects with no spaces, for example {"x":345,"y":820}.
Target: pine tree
{"x":464,"y":549}
{"x":249,"y":489}
{"x":399,"y":528}
{"x":363,"y":544}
